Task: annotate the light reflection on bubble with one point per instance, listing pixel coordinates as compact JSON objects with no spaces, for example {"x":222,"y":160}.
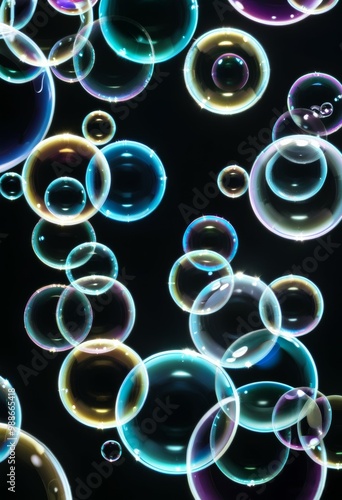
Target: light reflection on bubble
{"x":313,"y":6}
{"x":17,"y":13}
{"x":269,"y":12}
{"x":111,"y":450}
{"x":226,"y":83}
{"x":299,"y":121}
{"x":65,"y":197}
{"x":61,"y":58}
{"x":74,"y":315}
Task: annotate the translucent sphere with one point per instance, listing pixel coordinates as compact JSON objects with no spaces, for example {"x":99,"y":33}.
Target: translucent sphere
{"x":99,"y":127}
{"x":11,"y":186}
{"x":233,"y":181}
{"x":226,"y":82}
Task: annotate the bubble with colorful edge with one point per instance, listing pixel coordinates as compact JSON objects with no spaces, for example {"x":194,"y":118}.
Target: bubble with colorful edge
{"x":301,"y":303}
{"x":17,"y":13}
{"x":269,"y":12}
{"x":192,"y":272}
{"x":213,"y":334}
{"x":65,"y":197}
{"x":226,"y":83}
{"x":299,"y":121}
{"x":89,"y":260}
{"x":183,"y":385}
{"x":59,"y":156}
{"x":138,"y":181}
{"x":74,"y":315}
{"x":168,"y":38}
{"x":130,"y":77}
{"x":90,"y":378}
{"x":313,"y":6}
{"x":233,"y":181}
{"x":211,"y":232}
{"x":308,"y":219}
{"x":40,"y":320}
{"x":99,"y":127}
{"x":52,"y":243}
{"x":320,"y":92}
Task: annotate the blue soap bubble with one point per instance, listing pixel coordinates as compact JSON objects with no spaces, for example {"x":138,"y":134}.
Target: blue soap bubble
{"x":10,"y":420}
{"x":11,"y":185}
{"x":52,"y":243}
{"x":269,"y":12}
{"x":211,"y":232}
{"x":137,"y":181}
{"x":171,"y":26}
{"x":309,"y":218}
{"x":233,"y":181}
{"x":226,"y":83}
{"x":183,"y":386}
{"x":65,"y":198}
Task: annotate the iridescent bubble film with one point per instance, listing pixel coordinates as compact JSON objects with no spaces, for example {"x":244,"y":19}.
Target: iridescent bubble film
{"x":226,"y":83}
{"x":310,"y":218}
{"x":268,"y":12}
{"x":233,"y":181}
{"x":320,"y":92}
{"x":99,"y":127}
{"x":210,"y":232}
{"x":65,"y":198}
{"x":111,"y":450}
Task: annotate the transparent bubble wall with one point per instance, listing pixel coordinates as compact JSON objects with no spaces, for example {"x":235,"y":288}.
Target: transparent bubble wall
{"x":170,"y":243}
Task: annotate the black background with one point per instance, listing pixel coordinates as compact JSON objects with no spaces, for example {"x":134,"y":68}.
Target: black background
{"x":191,"y":143}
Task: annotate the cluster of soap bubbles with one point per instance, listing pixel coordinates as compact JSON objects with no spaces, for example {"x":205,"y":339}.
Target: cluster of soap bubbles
{"x":229,"y":413}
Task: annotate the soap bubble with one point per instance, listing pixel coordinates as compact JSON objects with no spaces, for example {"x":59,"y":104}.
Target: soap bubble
{"x":321,"y":93}
{"x":90,"y":378}
{"x":226,"y":83}
{"x":303,"y":220}
{"x":138,"y":181}
{"x":211,"y":232}
{"x":52,"y":243}
{"x":171,"y":26}
{"x":233,"y":181}
{"x":99,"y":127}
{"x":269,"y":12}
{"x":65,"y":197}
{"x":111,"y":450}
{"x":11,"y":186}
